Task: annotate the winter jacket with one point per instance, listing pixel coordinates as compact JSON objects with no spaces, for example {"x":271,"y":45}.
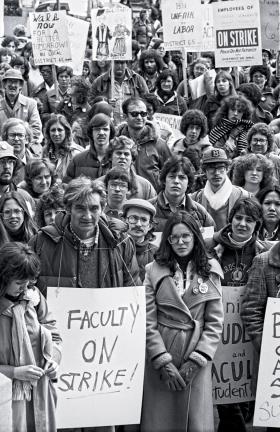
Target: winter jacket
{"x":25,"y":109}
{"x":175,"y":105}
{"x":163,"y":212}
{"x":86,"y":163}
{"x":144,"y":254}
{"x":152,"y":153}
{"x":60,"y":262}
{"x":177,"y":326}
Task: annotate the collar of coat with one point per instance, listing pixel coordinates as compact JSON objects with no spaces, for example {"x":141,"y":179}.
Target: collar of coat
{"x":147,"y":134}
{"x":274,"y":255}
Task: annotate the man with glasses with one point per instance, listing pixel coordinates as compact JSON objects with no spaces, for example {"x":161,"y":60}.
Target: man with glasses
{"x":152,"y":150}
{"x":9,"y":165}
{"x":19,"y":135}
{"x":15,"y":105}
{"x":117,"y":183}
{"x":219,"y":194}
{"x":139,"y":215}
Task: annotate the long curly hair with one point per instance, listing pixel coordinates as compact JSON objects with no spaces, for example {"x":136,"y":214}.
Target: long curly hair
{"x":150,"y":54}
{"x":249,"y":161}
{"x":165,"y":255}
{"x":231,"y":102}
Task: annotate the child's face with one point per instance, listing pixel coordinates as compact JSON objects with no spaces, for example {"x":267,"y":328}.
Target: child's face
{"x":16,"y":287}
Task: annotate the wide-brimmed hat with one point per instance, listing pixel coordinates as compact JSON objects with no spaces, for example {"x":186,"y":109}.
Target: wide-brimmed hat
{"x":13,"y":74}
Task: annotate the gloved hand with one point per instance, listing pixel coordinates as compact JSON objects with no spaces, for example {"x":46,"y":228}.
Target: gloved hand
{"x":189,"y":370}
{"x":172,"y":378}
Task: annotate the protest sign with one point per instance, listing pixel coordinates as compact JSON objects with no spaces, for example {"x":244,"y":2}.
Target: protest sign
{"x":233,"y":361}
{"x":182,"y":25}
{"x":270,"y":27}
{"x":267,"y":407}
{"x":100,"y":379}
{"x":79,"y":8}
{"x":197,"y":85}
{"x":1,"y":18}
{"x":237,"y":33}
{"x":173,"y":122}
{"x":49,"y":35}
{"x":208,"y":41}
{"x":112,"y":33}
{"x":78,"y":33}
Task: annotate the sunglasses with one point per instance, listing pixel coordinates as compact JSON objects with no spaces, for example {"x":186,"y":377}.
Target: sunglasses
{"x":136,"y":113}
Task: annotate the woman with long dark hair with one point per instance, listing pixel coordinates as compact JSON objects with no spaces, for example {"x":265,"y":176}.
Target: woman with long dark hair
{"x":184,"y":324}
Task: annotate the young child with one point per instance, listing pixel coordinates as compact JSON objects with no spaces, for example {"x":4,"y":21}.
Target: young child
{"x":30,"y":342}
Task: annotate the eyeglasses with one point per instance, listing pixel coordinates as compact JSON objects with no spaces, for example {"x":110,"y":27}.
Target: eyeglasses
{"x":6,"y":214}
{"x":259,"y":140}
{"x":174,"y":239}
{"x":14,"y":135}
{"x":121,"y":186}
{"x":136,"y":219}
{"x":7,"y":161}
{"x":136,"y":113}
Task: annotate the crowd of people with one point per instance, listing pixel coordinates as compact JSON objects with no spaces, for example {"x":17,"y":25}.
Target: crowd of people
{"x":88,"y":181}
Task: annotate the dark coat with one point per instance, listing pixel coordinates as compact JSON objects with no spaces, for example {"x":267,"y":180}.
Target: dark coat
{"x":86,"y":163}
{"x":60,"y":258}
{"x":163,"y":212}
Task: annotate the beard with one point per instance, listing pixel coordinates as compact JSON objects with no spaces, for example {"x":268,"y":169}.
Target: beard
{"x":6,"y":181}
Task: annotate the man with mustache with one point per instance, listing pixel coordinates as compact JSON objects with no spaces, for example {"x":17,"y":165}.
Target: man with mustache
{"x":9,"y":165}
{"x":138,"y":214}
{"x":219,"y":194}
{"x":150,"y":65}
{"x":14,"y":104}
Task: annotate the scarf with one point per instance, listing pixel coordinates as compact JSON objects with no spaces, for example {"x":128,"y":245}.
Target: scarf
{"x":218,"y":199}
{"x":22,"y":347}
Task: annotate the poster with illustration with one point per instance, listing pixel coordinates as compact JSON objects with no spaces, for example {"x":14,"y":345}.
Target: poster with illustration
{"x":111,"y":33}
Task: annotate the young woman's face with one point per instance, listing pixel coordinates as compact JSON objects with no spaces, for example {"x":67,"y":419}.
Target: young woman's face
{"x":271,"y":208}
{"x":242,"y":226}
{"x":12,"y":215}
{"x":5,"y":58}
{"x":16,"y":287}
{"x":259,"y":79}
{"x":181,"y":240}
{"x":235,"y":113}
{"x":254,"y":174}
{"x":167,"y":84}
{"x":42,"y":182}
{"x":57,"y":133}
{"x":259,"y":144}
{"x":222,"y":85}
{"x":161,"y":50}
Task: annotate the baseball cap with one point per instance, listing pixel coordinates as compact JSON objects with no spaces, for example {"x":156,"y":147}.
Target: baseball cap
{"x":214,"y":155}
{"x":6,"y":150}
{"x":139,"y":203}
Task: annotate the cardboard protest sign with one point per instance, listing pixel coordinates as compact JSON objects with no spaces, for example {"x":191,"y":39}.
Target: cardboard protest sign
{"x":233,"y":361}
{"x":49,"y":35}
{"x":112,"y":33}
{"x":1,"y":18}
{"x":78,"y":33}
{"x":237,"y":33}
{"x":101,"y":375}
{"x":182,"y":25}
{"x":173,"y":123}
{"x":267,"y":407}
{"x":208,"y":40}
{"x":270,"y":28}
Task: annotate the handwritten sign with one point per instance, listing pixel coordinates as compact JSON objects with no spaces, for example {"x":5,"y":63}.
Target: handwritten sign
{"x":237,"y":33}
{"x":112,"y":33}
{"x":49,"y":35}
{"x":270,"y":24}
{"x":208,"y":41}
{"x":101,"y":375}
{"x":233,"y":362}
{"x":267,"y":408}
{"x":182,"y":24}
{"x":78,"y":33}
